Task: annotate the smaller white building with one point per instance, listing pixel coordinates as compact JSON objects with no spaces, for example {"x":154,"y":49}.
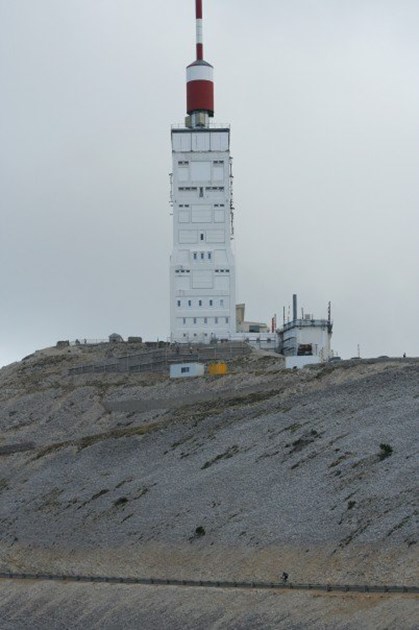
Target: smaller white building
{"x":306,"y":340}
{"x":185,"y":370}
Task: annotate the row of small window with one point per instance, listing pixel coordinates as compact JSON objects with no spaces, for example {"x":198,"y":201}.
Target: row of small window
{"x":186,"y":163}
{"x":201,"y":188}
{"x":205,"y":320}
{"x":201,"y":255}
{"x":199,"y":303}
{"x":187,"y":205}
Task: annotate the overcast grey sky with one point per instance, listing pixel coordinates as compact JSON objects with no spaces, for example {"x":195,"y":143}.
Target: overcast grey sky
{"x":323,"y":100}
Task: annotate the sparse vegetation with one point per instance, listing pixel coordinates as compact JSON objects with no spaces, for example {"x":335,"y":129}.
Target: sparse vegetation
{"x":89,"y":440}
{"x":301,"y":443}
{"x":337,"y":461}
{"x":200,"y":531}
{"x":120,"y":501}
{"x":399,"y":525}
{"x":124,"y":481}
{"x":141,"y":492}
{"x":292,"y":427}
{"x":385,"y":451}
{"x":226,"y":455}
{"x":99,"y":494}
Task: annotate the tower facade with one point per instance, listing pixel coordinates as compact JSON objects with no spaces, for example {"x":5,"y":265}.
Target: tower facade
{"x":202,"y":269}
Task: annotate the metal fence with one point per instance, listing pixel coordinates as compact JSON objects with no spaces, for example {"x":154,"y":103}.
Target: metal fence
{"x":159,"y":360}
{"x":342,"y":588}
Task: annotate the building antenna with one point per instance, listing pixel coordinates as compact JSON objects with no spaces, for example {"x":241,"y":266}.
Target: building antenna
{"x":199,"y":81}
{"x":329,"y":318}
{"x":199,"y":31}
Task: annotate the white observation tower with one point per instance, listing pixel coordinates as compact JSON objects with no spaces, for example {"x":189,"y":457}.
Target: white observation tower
{"x":202,"y":269}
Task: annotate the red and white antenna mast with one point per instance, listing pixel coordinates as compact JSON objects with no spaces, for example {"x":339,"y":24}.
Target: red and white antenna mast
{"x":199,"y":81}
{"x":199,"y":31}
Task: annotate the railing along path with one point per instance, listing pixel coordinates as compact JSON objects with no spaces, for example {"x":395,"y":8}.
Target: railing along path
{"x":343,"y":588}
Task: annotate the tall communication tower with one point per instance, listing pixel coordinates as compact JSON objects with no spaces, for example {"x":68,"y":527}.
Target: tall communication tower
{"x":202,"y":268}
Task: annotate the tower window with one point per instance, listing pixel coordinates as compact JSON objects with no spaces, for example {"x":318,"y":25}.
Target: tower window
{"x":216,"y":320}
{"x":201,"y":191}
{"x":195,"y":255}
{"x":210,"y":302}
{"x":201,"y":236}
{"x":194,"y":320}
{"x":189,"y":302}
{"x":209,"y":256}
{"x":221,"y":302}
{"x":184,"y":321}
{"x":205,"y":320}
{"x":178,"y":302}
{"x":202,"y":255}
{"x":226,"y":320}
{"x":200,"y":302}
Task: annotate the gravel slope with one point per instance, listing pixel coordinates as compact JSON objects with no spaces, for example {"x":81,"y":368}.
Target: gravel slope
{"x":56,"y":606}
{"x":282,"y":470}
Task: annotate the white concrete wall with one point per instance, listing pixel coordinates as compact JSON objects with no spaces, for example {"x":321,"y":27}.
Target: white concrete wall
{"x":318,"y":336}
{"x":202,"y":267}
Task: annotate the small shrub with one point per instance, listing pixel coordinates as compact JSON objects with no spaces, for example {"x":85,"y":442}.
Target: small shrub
{"x":351,"y":504}
{"x":385,"y":451}
{"x":99,"y":494}
{"x":200,"y":531}
{"x":120,"y":501}
{"x":230,"y":452}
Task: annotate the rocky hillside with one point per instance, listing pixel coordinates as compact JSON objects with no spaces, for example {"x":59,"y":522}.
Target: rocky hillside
{"x":244,"y":476}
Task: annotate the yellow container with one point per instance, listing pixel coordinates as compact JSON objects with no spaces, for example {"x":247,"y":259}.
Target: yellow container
{"x":217,"y":369}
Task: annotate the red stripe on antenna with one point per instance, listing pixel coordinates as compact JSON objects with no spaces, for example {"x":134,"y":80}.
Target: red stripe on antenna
{"x":200,"y":97}
{"x":198,"y":4}
{"x":199,"y":51}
